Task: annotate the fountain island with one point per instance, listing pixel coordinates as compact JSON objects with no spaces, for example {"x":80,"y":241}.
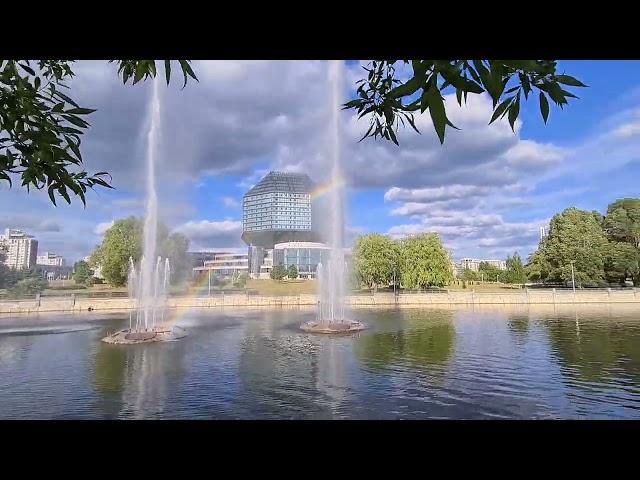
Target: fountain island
{"x":148,"y":286}
{"x":330,"y":315}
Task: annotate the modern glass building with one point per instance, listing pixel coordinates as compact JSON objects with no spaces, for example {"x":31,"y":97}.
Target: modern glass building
{"x":304,"y":255}
{"x":278,"y":209}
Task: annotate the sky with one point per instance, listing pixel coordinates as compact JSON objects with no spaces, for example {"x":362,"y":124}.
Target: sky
{"x":487,"y":191}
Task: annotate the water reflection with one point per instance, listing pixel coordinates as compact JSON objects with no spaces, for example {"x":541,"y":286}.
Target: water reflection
{"x":134,"y":381}
{"x":422,"y":339}
{"x":593,"y":349}
{"x":411,"y":363}
{"x":519,"y":327}
{"x":278,"y":370}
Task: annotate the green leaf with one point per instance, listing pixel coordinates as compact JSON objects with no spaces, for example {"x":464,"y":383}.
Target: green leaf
{"x":51,"y":196}
{"x":437,"y":112}
{"x":76,"y":121}
{"x":544,"y":106}
{"x":569,"y":80}
{"x":74,"y":148}
{"x":411,"y":120}
{"x":167,"y":70}
{"x":393,"y":136}
{"x":139,"y":73}
{"x":27,"y":69}
{"x":80,"y":111}
{"x":514,"y":111}
{"x":66,"y":99}
{"x":501,"y":109}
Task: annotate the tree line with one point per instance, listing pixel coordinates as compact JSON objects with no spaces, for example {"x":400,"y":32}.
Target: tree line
{"x":418,"y":261}
{"x":125,"y":239}
{"x":603,"y":249}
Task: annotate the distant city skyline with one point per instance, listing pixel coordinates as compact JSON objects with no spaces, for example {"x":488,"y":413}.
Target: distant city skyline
{"x":487,"y":191}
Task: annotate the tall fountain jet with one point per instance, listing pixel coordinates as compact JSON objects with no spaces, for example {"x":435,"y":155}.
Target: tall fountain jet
{"x":331,"y":276}
{"x":149,"y":284}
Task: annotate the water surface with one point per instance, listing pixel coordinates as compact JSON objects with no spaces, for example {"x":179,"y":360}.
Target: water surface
{"x":410,"y":364}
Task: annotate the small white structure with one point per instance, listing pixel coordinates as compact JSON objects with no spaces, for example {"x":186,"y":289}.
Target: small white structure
{"x":225,"y":264}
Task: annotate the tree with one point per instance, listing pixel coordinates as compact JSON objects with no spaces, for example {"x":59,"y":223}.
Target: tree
{"x":622,"y":221}
{"x":537,"y":268}
{"x":292,"y":271}
{"x":278,"y":272}
{"x":30,"y":284}
{"x":469,"y":275}
{"x":122,"y":241}
{"x":425,"y":262}
{"x":488,"y":272}
{"x":82,"y":273}
{"x":41,"y":127}
{"x":622,"y":262}
{"x":374,"y":259}
{"x":515,"y":272}
{"x":175,"y":248}
{"x":574,"y":236}
{"x":4,"y":270}
{"x":388,"y":101}
{"x":125,"y":238}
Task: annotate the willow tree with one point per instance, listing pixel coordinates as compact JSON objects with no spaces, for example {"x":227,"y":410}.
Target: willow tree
{"x":375,"y":258}
{"x":425,"y":262}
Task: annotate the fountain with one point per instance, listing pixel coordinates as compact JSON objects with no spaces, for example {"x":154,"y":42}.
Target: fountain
{"x":330,"y":315}
{"x":145,"y":285}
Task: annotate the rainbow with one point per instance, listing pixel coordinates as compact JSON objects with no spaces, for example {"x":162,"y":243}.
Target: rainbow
{"x":325,"y":188}
{"x":175,"y":314}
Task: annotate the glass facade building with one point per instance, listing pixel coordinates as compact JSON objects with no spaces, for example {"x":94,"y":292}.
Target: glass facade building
{"x":304,"y":255}
{"x":278,"y":209}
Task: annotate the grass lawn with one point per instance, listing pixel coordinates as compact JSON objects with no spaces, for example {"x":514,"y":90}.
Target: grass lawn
{"x":483,"y":287}
{"x":282,"y":287}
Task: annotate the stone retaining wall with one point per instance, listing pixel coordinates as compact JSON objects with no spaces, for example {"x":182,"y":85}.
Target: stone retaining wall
{"x":522,"y":297}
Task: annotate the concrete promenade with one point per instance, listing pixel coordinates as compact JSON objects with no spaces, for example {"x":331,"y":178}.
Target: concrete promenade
{"x":630,"y":297}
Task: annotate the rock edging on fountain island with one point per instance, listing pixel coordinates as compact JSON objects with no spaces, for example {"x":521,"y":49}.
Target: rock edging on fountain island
{"x":538,"y":297}
{"x":132,"y":337}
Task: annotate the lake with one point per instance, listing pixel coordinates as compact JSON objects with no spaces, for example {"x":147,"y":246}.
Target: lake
{"x":509,"y":363}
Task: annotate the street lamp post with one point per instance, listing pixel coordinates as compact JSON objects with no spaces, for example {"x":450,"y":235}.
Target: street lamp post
{"x":394,"y":281}
{"x":209,"y":282}
{"x":573,"y":281}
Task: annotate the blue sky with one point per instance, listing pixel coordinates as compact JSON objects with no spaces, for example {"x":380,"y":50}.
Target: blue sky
{"x":487,"y":191}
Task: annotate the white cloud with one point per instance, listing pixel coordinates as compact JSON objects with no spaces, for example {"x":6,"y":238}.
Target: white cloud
{"x":627,"y":131}
{"x":230,"y":202}
{"x":208,"y":234}
{"x":426,"y":195}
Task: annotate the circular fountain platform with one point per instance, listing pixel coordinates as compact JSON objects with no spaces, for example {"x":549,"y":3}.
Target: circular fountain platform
{"x":346,"y":326}
{"x":127,"y":337}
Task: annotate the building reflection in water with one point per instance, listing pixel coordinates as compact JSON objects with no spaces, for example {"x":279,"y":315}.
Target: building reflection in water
{"x":286,"y":373}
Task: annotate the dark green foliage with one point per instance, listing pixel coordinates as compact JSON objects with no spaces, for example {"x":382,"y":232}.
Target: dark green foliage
{"x":278,"y":272}
{"x":390,"y":102}
{"x":82,"y":273}
{"x":292,"y":272}
{"x":124,"y":239}
{"x":41,"y":125}
{"x":515,"y":272}
{"x":603,"y":249}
